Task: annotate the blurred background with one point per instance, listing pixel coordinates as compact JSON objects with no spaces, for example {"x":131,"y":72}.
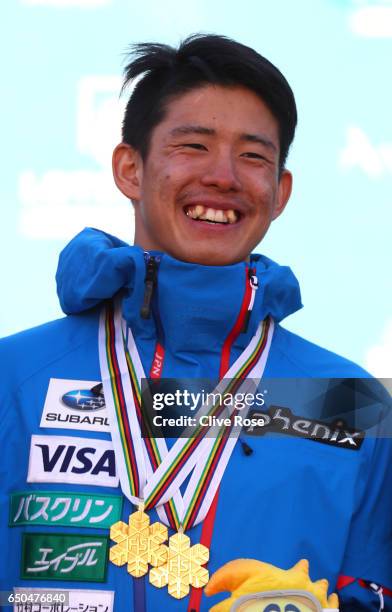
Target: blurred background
{"x":61,"y":65}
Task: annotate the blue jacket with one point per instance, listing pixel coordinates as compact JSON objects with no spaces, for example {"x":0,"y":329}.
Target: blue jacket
{"x":291,"y":498}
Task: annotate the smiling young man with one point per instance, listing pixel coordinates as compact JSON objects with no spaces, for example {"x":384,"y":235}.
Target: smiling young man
{"x":206,"y":135}
{"x":211,"y":181}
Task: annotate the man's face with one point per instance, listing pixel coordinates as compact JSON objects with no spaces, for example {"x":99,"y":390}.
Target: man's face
{"x":209,"y":186}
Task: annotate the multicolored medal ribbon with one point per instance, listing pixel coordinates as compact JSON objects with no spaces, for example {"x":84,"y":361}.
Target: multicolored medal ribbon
{"x":151,"y":475}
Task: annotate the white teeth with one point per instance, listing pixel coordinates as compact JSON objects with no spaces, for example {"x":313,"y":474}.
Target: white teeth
{"x":231,"y":216}
{"x":199,"y":209}
{"x":220,"y":216}
{"x":211,"y":214}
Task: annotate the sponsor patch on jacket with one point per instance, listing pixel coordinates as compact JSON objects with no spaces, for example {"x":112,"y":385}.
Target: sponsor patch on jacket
{"x":50,"y":600}
{"x":75,"y":404}
{"x":58,"y":556}
{"x":278,"y":419}
{"x":72,"y":460}
{"x":52,"y":508}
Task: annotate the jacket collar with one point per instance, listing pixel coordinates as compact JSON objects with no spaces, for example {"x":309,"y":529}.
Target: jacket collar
{"x":196,"y":305}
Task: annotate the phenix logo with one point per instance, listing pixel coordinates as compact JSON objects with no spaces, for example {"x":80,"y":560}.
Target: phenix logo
{"x":281,"y":420}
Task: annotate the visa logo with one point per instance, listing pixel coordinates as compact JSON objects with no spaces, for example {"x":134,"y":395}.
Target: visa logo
{"x":72,"y":460}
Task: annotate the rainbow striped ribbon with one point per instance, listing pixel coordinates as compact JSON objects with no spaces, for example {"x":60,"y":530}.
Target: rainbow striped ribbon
{"x":150,"y":474}
{"x":208,"y":456}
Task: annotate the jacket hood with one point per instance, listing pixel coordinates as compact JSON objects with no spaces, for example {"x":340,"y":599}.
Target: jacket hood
{"x":96,"y":266}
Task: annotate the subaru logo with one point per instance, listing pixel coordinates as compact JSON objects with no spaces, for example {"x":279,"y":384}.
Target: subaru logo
{"x":84,"y":400}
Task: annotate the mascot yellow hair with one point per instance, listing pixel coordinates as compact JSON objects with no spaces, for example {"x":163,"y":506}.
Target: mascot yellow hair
{"x":246,"y":576}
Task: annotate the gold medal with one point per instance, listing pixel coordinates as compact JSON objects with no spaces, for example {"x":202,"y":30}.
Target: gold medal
{"x":182,"y":568}
{"x":138,"y":544}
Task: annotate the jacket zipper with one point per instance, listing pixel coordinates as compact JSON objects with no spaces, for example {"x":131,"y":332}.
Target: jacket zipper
{"x":150,"y":282}
{"x":240,"y":326}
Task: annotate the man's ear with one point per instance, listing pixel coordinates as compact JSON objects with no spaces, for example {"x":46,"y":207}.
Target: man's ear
{"x":127,"y":167}
{"x":284,"y":192}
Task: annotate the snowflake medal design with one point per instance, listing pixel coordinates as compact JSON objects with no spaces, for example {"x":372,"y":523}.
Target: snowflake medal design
{"x":138,"y":544}
{"x":183,"y":567}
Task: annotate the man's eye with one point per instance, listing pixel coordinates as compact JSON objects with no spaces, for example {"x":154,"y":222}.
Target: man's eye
{"x":253,"y":155}
{"x":195,"y":145}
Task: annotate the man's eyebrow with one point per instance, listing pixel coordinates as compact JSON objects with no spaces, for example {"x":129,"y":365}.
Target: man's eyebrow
{"x":258,"y":138}
{"x":192,"y":129}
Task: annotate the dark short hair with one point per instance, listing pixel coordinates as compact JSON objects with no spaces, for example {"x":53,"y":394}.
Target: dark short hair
{"x":166,"y":72}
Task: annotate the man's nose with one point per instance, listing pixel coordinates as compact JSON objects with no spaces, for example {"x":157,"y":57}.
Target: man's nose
{"x":222,"y":173}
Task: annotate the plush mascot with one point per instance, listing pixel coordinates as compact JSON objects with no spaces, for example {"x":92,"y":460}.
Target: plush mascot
{"x":260,"y":587}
